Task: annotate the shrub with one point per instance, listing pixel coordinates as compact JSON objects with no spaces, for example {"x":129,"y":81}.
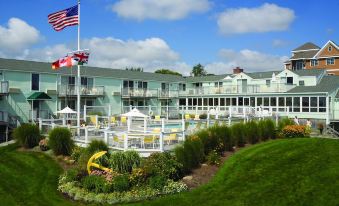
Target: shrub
{"x":137,"y":176}
{"x":239,"y":137}
{"x":262,"y":130}
{"x":76,"y":152}
{"x":292,"y":131}
{"x":203,"y":116}
{"x":190,"y":154}
{"x":163,"y":164}
{"x":27,"y":135}
{"x":157,"y":182}
{"x":94,"y":183}
{"x":213,"y":158}
{"x":284,"y":122}
{"x":60,"y":141}
{"x":270,"y":129}
{"x":123,"y":162}
{"x":226,"y":138}
{"x":120,"y":183}
{"x":97,"y":146}
{"x":72,"y":174}
{"x":253,"y":133}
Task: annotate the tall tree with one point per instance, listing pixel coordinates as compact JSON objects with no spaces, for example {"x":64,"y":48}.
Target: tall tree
{"x":167,"y":71}
{"x":198,"y":70}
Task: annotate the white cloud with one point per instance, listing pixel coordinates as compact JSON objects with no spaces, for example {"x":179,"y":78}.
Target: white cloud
{"x":17,"y":36}
{"x":279,"y":43}
{"x":266,"y":18}
{"x":249,"y":60}
{"x":159,"y":9}
{"x":151,"y":54}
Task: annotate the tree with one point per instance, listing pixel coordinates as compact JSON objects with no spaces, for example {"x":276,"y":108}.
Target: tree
{"x":198,"y":70}
{"x":167,"y":71}
{"x":137,"y":69}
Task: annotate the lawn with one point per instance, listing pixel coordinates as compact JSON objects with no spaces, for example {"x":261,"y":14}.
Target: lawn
{"x":280,"y":172}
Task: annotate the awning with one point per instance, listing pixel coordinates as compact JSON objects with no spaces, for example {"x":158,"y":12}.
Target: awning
{"x":39,"y":96}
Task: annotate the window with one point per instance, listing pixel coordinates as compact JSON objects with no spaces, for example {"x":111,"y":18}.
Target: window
{"x":216,"y":101}
{"x":314,"y":104}
{"x":289,"y":103}
{"x":330,"y":61}
{"x":199,"y":102}
{"x":301,"y":83}
{"x":35,"y":82}
{"x":281,"y":101}
{"x":228,"y":101}
{"x":322,"y":104}
{"x":329,"y":48}
{"x":222,"y":101}
{"x":289,"y":80}
{"x":234,"y":101}
{"x":182,"y":87}
{"x":182,"y":102}
{"x":314,"y":62}
{"x":296,"y":104}
{"x":273,"y":101}
{"x":71,"y":80}
{"x":268,"y":82}
{"x":205,"y":102}
{"x":266,"y":101}
{"x":306,"y":104}
{"x":259,"y":101}
{"x":240,"y":101}
{"x":252,"y":100}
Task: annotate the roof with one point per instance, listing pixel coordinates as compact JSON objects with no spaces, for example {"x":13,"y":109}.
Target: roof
{"x":309,"y":72}
{"x":305,"y":54}
{"x":262,"y":75}
{"x":306,"y":46}
{"x":209,"y":78}
{"x":43,"y":67}
{"x":337,"y":95}
{"x":327,"y":84}
{"x":39,"y":96}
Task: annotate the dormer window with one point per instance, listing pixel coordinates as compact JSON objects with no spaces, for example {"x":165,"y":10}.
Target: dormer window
{"x":330,"y":48}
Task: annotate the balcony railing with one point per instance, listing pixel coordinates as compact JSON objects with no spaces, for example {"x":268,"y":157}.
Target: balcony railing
{"x":139,"y":92}
{"x":71,"y":90}
{"x":168,"y":94}
{"x":4,"y":87}
{"x":238,"y":89}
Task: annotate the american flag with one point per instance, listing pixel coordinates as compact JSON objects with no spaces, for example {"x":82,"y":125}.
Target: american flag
{"x":64,"y":18}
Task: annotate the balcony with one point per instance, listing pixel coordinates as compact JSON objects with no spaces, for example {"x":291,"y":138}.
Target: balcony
{"x":139,"y":92}
{"x":4,"y":88}
{"x":71,"y":90}
{"x":236,"y":89}
{"x":168,"y":94}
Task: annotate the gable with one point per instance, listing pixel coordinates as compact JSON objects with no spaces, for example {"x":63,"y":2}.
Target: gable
{"x":324,"y":52}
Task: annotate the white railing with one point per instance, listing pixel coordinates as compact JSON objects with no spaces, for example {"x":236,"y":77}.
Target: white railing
{"x":168,"y":93}
{"x":64,"y":90}
{"x":236,"y":89}
{"x":139,"y":92}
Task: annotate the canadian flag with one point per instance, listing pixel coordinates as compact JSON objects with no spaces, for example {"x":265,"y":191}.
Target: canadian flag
{"x":62,"y":62}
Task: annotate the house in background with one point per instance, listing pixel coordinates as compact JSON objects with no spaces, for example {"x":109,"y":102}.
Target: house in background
{"x":311,"y":56}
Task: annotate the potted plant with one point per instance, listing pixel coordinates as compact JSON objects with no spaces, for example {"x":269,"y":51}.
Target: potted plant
{"x":321,"y":128}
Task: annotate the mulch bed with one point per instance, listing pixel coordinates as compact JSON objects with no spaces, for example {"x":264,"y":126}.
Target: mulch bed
{"x":205,"y":172}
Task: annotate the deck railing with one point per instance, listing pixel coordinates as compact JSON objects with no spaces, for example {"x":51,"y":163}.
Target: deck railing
{"x":71,"y":90}
{"x":139,"y":92}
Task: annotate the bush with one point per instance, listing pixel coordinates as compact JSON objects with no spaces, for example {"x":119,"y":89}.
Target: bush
{"x":157,"y":182}
{"x":213,"y":158}
{"x":137,"y":177}
{"x":293,"y":131}
{"x":73,"y":175}
{"x":262,"y":131}
{"x":60,"y":141}
{"x":252,"y":132}
{"x":120,"y":183}
{"x":123,"y":162}
{"x":27,"y":135}
{"x":203,"y":116}
{"x":270,"y":129}
{"x":190,"y":154}
{"x":239,"y":135}
{"x":225,"y":136}
{"x":77,"y":152}
{"x":284,"y":122}
{"x":94,"y":183}
{"x":163,"y":164}
{"x":209,"y":138}
{"x":97,"y":146}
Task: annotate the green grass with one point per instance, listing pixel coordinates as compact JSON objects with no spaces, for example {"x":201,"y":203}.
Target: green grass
{"x":281,"y":172}
{"x":28,"y":178}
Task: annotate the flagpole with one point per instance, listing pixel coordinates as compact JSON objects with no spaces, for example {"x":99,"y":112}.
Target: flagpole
{"x":79,"y":78}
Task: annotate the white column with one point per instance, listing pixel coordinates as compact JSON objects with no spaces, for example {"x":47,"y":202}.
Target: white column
{"x":162,"y":125}
{"x":145,"y":125}
{"x":327,"y":110}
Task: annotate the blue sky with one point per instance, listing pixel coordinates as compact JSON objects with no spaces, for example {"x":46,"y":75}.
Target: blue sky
{"x":176,"y":34}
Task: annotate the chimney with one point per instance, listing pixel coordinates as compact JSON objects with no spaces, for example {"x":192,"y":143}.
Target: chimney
{"x":237,"y":70}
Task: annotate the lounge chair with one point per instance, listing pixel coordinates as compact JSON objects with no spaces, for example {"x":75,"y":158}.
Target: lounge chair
{"x":187,"y":117}
{"x":172,"y":137}
{"x":157,"y":118}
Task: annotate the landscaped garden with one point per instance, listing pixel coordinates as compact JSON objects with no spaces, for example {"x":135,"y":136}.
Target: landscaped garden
{"x":287,"y":171}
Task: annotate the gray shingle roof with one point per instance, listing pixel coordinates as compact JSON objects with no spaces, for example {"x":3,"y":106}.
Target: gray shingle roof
{"x":306,"y":46}
{"x":210,"y":78}
{"x":327,"y":84}
{"x":262,"y":75}
{"x":42,"y":67}
{"x":309,"y":72}
{"x":304,"y":55}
